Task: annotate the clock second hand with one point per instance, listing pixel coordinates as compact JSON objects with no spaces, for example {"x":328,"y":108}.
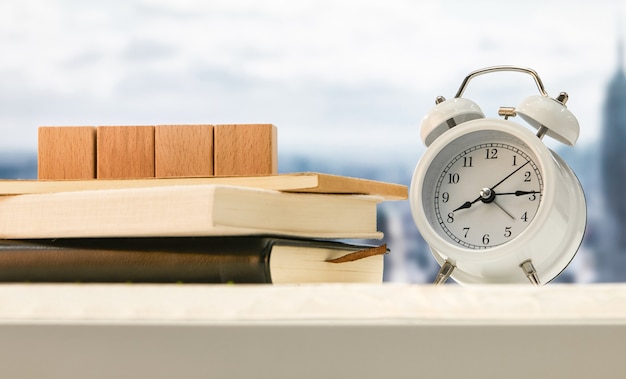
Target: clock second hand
{"x":504,"y":210}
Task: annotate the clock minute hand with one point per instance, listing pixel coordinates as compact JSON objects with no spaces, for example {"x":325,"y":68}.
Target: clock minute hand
{"x":508,"y":176}
{"x":491,"y":194}
{"x":517,"y":193}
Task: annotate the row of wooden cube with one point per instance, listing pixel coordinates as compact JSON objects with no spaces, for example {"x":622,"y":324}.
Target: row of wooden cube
{"x":126,"y":152}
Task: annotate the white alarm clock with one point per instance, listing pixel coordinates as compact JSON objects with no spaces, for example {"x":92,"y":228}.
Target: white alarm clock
{"x":494,"y":204}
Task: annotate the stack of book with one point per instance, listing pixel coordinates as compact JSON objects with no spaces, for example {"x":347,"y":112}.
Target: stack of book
{"x":290,"y":228}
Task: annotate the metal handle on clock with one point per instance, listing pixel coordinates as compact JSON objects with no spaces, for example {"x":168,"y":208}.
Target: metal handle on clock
{"x":548,"y":115}
{"x":487,"y":70}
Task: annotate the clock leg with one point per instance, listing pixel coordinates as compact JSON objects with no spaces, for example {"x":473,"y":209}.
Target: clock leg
{"x":529,"y":269}
{"x":444,"y":272}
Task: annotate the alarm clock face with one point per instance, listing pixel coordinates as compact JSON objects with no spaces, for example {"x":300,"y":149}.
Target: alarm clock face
{"x":494,"y":204}
{"x":482,"y":189}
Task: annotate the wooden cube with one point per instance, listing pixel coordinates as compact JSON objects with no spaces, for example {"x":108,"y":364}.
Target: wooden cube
{"x":183,"y":150}
{"x":66,"y":152}
{"x":125,"y":152}
{"x":245,"y":149}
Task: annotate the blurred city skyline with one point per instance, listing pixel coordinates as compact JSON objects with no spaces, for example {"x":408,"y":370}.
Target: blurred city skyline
{"x":336,"y":77}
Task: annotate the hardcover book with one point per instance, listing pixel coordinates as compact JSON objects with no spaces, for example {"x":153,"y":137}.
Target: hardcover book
{"x":193,"y":210}
{"x":246,"y":259}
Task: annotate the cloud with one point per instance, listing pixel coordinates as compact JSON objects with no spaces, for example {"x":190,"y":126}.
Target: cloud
{"x":145,"y":50}
{"x":83,"y":59}
{"x":318,"y":69}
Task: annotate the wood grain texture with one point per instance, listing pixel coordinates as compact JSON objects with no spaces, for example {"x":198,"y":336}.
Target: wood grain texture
{"x":125,"y":152}
{"x":66,"y":152}
{"x":183,"y":150}
{"x":245,"y":149}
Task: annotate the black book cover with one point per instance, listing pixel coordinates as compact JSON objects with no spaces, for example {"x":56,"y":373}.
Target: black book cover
{"x":146,"y":260}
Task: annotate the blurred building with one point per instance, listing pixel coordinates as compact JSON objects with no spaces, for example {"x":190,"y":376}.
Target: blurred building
{"x":610,"y":257}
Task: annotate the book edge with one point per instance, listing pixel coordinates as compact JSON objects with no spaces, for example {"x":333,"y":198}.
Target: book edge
{"x":325,"y":262}
{"x":291,"y":182}
{"x":77,"y":202}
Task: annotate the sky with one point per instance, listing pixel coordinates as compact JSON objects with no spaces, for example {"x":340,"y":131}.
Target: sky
{"x":345,"y":78}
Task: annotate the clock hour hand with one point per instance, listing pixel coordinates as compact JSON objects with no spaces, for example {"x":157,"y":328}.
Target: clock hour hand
{"x":467,"y":204}
{"x":486,"y":196}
